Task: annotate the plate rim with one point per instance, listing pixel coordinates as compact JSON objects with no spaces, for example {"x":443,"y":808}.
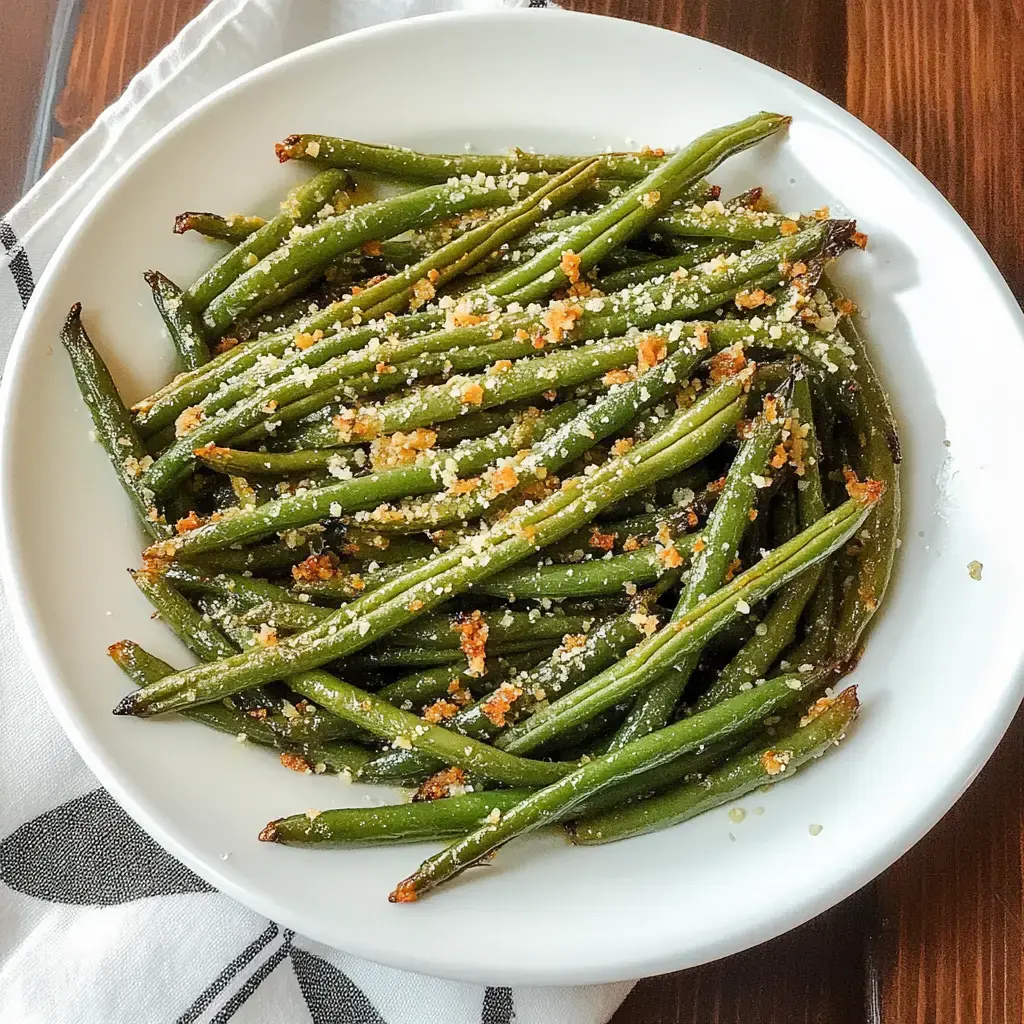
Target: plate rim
{"x":47,"y":678}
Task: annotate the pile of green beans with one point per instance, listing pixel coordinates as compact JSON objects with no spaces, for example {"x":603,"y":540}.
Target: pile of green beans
{"x":552,"y":487}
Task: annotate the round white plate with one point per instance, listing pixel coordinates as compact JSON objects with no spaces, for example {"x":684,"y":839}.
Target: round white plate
{"x":940,"y":680}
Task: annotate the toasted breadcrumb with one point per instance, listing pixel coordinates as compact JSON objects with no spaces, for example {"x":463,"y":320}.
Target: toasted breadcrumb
{"x":867,"y":492}
{"x":788,"y":227}
{"x":439,"y":711}
{"x":304,"y":340}
{"x":296,"y":763}
{"x":651,"y":350}
{"x":613,"y":377}
{"x":316,"y":569}
{"x":497,"y":705}
{"x":190,"y":522}
{"x":466,"y":486}
{"x":669,"y":557}
{"x":441,"y":785}
{"x":349,"y":425}
{"x":559,"y":319}
{"x":751,"y":299}
{"x":503,"y":479}
{"x":601,"y":541}
{"x":422,"y":291}
{"x":474,"y":631}
{"x":471,"y":394}
{"x":461,"y":315}
{"x":727,"y":363}
{"x":774,"y":761}
{"x":645,"y":623}
{"x":188,"y":419}
{"x":401,"y":449}
{"x":570,"y":265}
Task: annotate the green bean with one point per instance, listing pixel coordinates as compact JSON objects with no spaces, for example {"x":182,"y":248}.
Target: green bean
{"x":689,"y":767}
{"x":655,"y":268}
{"x":183,"y":326}
{"x":235,"y":461}
{"x":371,"y":546}
{"x":432,"y":820}
{"x":398,"y":162}
{"x":476,"y":424}
{"x":396,"y":656}
{"x":384,"y":657}
{"x":629,"y":213}
{"x":204,"y":639}
{"x":758,"y":654}
{"x":677,"y":520}
{"x":283,"y":317}
{"x":741,"y":774}
{"x":613,"y":575}
{"x":505,"y":626}
{"x":260,"y":559}
{"x":558,"y":799}
{"x":721,"y":541}
{"x":201,"y":637}
{"x":143,"y":668}
{"x":407,"y":731}
{"x":360,"y":492}
{"x":112,"y":423}
{"x":241,"y":591}
{"x":301,"y":205}
{"x":445,"y":574}
{"x":819,"y":616}
{"x":714,"y":220}
{"x":318,"y":246}
{"x":417,"y":689}
{"x":879,"y":458}
{"x":692,"y":631}
{"x":235,"y":228}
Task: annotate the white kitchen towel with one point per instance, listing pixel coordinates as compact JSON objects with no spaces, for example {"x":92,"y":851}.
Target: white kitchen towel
{"x":98,"y":925}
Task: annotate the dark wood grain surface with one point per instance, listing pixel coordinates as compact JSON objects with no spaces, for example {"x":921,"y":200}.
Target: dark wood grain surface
{"x":938,"y":937}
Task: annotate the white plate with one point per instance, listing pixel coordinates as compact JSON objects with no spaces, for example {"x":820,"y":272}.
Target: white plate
{"x":940,"y":680}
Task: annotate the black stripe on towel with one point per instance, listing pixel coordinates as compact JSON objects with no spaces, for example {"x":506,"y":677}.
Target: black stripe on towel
{"x":21,"y":270}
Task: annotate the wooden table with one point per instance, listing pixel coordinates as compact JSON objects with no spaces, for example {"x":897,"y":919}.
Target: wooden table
{"x":939,"y":937}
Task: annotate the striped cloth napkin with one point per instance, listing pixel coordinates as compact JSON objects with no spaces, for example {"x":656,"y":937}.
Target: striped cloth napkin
{"x":98,"y":925}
